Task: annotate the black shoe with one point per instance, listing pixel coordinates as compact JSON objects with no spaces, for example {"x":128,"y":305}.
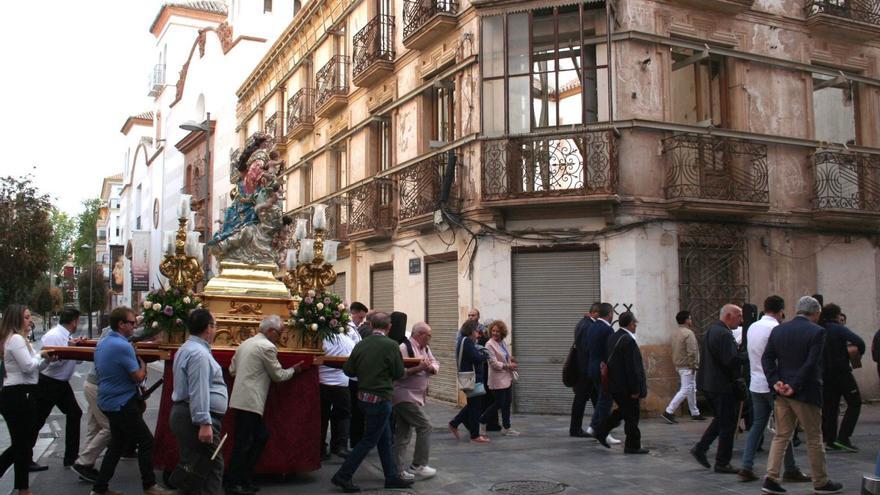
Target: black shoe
{"x":700,"y":456}
{"x":670,"y":418}
{"x":398,"y":483}
{"x":36,"y":468}
{"x":726,"y":469}
{"x":636,"y":451}
{"x":796,"y":476}
{"x":698,"y":417}
{"x":747,"y":475}
{"x":239,"y":490}
{"x":831,"y":446}
{"x":602,"y":437}
{"x":343,"y":452}
{"x":86,"y":473}
{"x":493,"y":427}
{"x":346,"y":485}
{"x":579,"y":434}
{"x":830,"y":487}
{"x":772,"y":487}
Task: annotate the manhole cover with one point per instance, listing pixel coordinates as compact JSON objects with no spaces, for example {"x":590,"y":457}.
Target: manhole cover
{"x":529,"y":487}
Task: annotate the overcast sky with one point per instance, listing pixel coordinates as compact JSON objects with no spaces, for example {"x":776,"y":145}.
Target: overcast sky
{"x":73,"y":70}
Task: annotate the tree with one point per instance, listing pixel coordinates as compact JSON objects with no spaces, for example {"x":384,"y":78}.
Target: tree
{"x":25,"y":232}
{"x":86,"y":233}
{"x":64,"y":233}
{"x":96,"y":298}
{"x":41,"y":301}
{"x":57,"y":299}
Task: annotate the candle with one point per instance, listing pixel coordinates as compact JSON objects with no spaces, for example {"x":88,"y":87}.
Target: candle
{"x":330,"y":251}
{"x":183,"y":207}
{"x":191,"y":222}
{"x":200,"y":254}
{"x":319,"y":218}
{"x":307,"y":250}
{"x":192,"y":244}
{"x":290,"y":262}
{"x":300,"y":232}
{"x":168,"y":243}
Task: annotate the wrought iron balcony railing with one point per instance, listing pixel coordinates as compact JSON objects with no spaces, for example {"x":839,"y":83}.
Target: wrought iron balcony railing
{"x":849,"y":181}
{"x":332,"y":79}
{"x":715,"y":168}
{"x":867,"y":11}
{"x":372,"y":209}
{"x":578,"y":164}
{"x":420,"y":187}
{"x":157,"y":80}
{"x":301,"y":109}
{"x":337,"y":218}
{"x":417,"y":13}
{"x":373,"y":43}
{"x":274,"y":125}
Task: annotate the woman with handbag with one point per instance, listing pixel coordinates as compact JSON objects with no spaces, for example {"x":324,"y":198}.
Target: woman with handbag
{"x":22,"y":367}
{"x":502,"y":375}
{"x":470,"y":381}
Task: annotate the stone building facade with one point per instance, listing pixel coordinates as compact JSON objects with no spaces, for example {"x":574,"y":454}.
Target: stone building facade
{"x":528,"y":158}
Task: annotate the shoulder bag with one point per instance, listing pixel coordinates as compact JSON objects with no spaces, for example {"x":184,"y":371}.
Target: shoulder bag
{"x":603,"y":367}
{"x":466,"y":379}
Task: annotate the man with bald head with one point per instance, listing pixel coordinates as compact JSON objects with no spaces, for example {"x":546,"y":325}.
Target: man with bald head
{"x":719,"y":379}
{"x":409,"y":404}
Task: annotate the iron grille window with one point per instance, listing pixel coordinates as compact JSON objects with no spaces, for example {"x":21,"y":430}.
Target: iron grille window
{"x":442,"y":112}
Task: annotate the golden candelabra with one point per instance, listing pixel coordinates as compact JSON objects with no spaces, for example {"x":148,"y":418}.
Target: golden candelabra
{"x":183,"y":271}
{"x":315,"y":275}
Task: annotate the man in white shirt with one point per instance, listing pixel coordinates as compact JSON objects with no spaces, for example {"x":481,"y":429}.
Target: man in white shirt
{"x":358,"y":312}
{"x":335,"y":400}
{"x":54,"y":387}
{"x":762,"y":397}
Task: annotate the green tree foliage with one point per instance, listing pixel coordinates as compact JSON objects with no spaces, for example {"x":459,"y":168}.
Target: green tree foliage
{"x":25,"y":232}
{"x":64,"y":232}
{"x":57,"y":299}
{"x":97,"y":298}
{"x":41,"y":301}
{"x":86,"y":233}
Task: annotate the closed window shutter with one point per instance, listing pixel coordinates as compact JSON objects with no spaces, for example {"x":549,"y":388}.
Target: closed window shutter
{"x":442,"y":315}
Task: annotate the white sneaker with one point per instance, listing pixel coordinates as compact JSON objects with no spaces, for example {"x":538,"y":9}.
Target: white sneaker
{"x":611,"y":440}
{"x":407,"y":476}
{"x":423,"y":472}
{"x":590,"y":431}
{"x":509,"y":432}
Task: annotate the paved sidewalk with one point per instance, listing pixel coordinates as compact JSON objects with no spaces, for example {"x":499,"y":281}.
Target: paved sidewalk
{"x":543,"y":453}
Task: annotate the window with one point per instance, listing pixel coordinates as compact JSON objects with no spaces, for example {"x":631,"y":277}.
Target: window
{"x":340,"y":160}
{"x":384,"y":145}
{"x":540,"y":71}
{"x":306,"y":183}
{"x":834,"y":109}
{"x":442,"y":110}
{"x":267,"y":6}
{"x":699,"y":88}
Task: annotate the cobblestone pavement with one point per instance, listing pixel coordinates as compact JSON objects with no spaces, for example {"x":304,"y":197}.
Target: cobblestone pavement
{"x":544,"y":453}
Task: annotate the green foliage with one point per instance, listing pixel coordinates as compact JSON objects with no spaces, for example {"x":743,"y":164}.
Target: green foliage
{"x":41,"y":300}
{"x":321,"y":315}
{"x":86,"y":233}
{"x":25,"y":232}
{"x":97,"y":299}
{"x":64,"y":231}
{"x":57,"y":299}
{"x":167,"y":309}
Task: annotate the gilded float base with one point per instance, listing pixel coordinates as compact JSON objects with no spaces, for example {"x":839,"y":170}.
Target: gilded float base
{"x":239,"y":279}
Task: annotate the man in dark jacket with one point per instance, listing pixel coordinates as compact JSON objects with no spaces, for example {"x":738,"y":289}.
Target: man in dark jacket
{"x":717,"y":378}
{"x":875,"y":350}
{"x":626,"y":383}
{"x":583,"y":389}
{"x":838,"y":381}
{"x":792,"y":363}
{"x":596,"y":342}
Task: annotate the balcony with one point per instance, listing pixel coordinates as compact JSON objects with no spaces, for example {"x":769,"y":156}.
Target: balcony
{"x":576,"y":167}
{"x":332,"y":86}
{"x":373,"y":51}
{"x":156,"y":80}
{"x":337,"y":218}
{"x":846,"y":187}
{"x":859,"y":19}
{"x":715,"y":175}
{"x":301,"y":113}
{"x":274,"y":127}
{"x":420,"y":187}
{"x":426,"y":21}
{"x":725,"y":6}
{"x":372,"y":211}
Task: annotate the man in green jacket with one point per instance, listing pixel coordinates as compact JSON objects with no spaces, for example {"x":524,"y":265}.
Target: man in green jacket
{"x":376,"y":362}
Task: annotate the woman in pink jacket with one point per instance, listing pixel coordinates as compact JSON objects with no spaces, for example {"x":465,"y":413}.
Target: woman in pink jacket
{"x":501,"y":369}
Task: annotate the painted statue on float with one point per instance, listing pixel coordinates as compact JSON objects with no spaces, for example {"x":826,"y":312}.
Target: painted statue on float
{"x":253,"y":224}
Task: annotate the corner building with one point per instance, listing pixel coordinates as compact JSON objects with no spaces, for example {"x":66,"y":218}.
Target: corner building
{"x":658,"y":155}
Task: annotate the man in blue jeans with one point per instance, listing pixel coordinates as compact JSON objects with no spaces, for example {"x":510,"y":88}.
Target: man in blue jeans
{"x":762,"y":397}
{"x":376,"y":363}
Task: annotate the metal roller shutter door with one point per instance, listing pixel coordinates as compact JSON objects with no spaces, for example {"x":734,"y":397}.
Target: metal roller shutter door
{"x":550,"y":293}
{"x":338,"y":287}
{"x":382,"y":291}
{"x":441,"y":280}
